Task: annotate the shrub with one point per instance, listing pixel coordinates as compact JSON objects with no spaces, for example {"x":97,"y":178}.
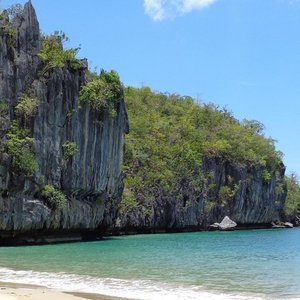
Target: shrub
{"x":27,"y":106}
{"x":226,"y":192}
{"x":266,"y":176}
{"x":19,"y":147}
{"x":210,"y":206}
{"x":69,"y":149}
{"x":54,"y":55}
{"x":4,"y":107}
{"x":102,"y":92}
{"x":8,"y":29}
{"x":54,"y":198}
{"x":292,"y":203}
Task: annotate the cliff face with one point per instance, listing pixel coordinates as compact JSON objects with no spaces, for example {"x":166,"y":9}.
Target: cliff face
{"x":91,"y":178}
{"x":224,"y":189}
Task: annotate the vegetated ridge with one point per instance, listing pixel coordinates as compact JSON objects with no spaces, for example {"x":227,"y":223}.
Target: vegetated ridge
{"x":188,"y":165}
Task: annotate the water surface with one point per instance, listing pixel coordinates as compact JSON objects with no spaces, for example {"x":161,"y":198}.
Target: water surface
{"x":254,"y":264}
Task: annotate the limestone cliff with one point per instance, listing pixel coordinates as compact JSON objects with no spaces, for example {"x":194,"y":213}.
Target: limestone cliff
{"x":226,"y":189}
{"x":91,"y":179}
{"x":188,"y":165}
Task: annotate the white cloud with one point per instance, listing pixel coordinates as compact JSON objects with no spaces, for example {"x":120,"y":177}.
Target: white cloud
{"x":159,"y":10}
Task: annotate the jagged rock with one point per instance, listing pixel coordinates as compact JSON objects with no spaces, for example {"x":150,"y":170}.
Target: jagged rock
{"x":92,"y":178}
{"x":288,"y":224}
{"x":277,"y":224}
{"x":226,"y":224}
{"x":254,"y":203}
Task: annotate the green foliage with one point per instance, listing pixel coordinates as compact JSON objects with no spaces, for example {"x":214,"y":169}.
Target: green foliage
{"x":11,"y":34}
{"x":27,"y":106}
{"x":128,"y":200}
{"x":69,"y":149}
{"x":102,"y":92}
{"x":8,"y":29}
{"x":54,"y":55}
{"x":19,"y":147}
{"x":129,"y":203}
{"x":266,"y":176}
{"x":54,"y":198}
{"x":226,"y":192}
{"x":292,"y":203}
{"x":4,"y":107}
{"x":170,"y":136}
{"x":210,"y":205}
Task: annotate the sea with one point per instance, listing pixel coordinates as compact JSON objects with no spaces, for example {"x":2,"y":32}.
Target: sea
{"x":248,"y":264}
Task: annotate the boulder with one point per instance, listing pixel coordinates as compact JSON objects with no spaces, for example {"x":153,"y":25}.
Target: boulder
{"x":226,"y":224}
{"x":288,"y":225}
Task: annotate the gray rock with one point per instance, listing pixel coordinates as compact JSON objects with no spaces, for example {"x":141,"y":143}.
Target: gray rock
{"x":288,"y":224}
{"x":197,"y":205}
{"x":226,"y":224}
{"x":92,"y":179}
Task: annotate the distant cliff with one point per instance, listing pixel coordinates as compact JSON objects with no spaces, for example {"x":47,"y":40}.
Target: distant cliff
{"x":228,"y":189}
{"x":48,"y":139}
{"x":189,"y":165}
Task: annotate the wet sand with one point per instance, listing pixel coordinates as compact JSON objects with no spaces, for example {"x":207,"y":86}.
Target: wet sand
{"x":15,"y":291}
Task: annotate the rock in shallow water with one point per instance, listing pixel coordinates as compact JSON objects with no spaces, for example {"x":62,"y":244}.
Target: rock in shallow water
{"x":226,"y":224}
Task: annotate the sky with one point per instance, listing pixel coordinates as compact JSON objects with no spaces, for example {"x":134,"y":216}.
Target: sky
{"x":240,"y":54}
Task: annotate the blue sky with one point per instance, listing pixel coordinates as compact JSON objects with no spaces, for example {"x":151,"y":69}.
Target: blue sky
{"x":242,"y":54}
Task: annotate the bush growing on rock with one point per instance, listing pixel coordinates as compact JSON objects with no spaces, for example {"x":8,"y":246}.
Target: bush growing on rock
{"x":54,"y":55}
{"x":54,"y":198}
{"x":292,"y":205}
{"x":102,"y":92}
{"x":19,"y":147}
{"x":27,"y":106}
{"x":69,"y":149}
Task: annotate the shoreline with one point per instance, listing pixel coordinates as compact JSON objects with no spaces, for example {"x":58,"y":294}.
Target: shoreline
{"x":19,"y":291}
{"x":61,"y":238}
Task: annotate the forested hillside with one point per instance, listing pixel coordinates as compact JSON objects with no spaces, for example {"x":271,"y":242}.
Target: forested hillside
{"x":181,"y":151}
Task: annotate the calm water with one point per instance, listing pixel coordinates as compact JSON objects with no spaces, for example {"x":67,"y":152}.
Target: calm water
{"x":256,"y":264}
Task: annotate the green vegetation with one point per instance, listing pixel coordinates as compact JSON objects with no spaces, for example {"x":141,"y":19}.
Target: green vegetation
{"x":4,"y":107}
{"x":266,"y":176}
{"x":292,"y":204}
{"x":169,"y":137}
{"x":226,"y":193}
{"x":102,"y":92}
{"x":8,"y":29}
{"x":69,"y":149}
{"x":19,"y":147}
{"x":54,"y":55}
{"x":27,"y":106}
{"x":7,"y":15}
{"x":54,"y":198}
{"x":128,"y":200}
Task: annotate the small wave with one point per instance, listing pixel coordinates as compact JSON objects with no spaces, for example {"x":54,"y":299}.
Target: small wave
{"x":133,"y":289}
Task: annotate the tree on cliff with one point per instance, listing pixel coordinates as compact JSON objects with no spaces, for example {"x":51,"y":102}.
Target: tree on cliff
{"x":293,"y":196}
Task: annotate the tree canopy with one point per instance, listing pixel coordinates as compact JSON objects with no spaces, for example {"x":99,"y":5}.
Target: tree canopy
{"x":170,"y":135}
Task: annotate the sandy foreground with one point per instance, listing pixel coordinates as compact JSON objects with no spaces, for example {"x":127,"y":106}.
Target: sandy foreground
{"x":14,"y":291}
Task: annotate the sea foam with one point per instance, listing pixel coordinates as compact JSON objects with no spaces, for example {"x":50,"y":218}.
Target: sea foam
{"x":133,"y":289}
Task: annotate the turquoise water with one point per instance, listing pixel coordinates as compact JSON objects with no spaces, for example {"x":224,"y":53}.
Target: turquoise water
{"x":254,"y":264}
